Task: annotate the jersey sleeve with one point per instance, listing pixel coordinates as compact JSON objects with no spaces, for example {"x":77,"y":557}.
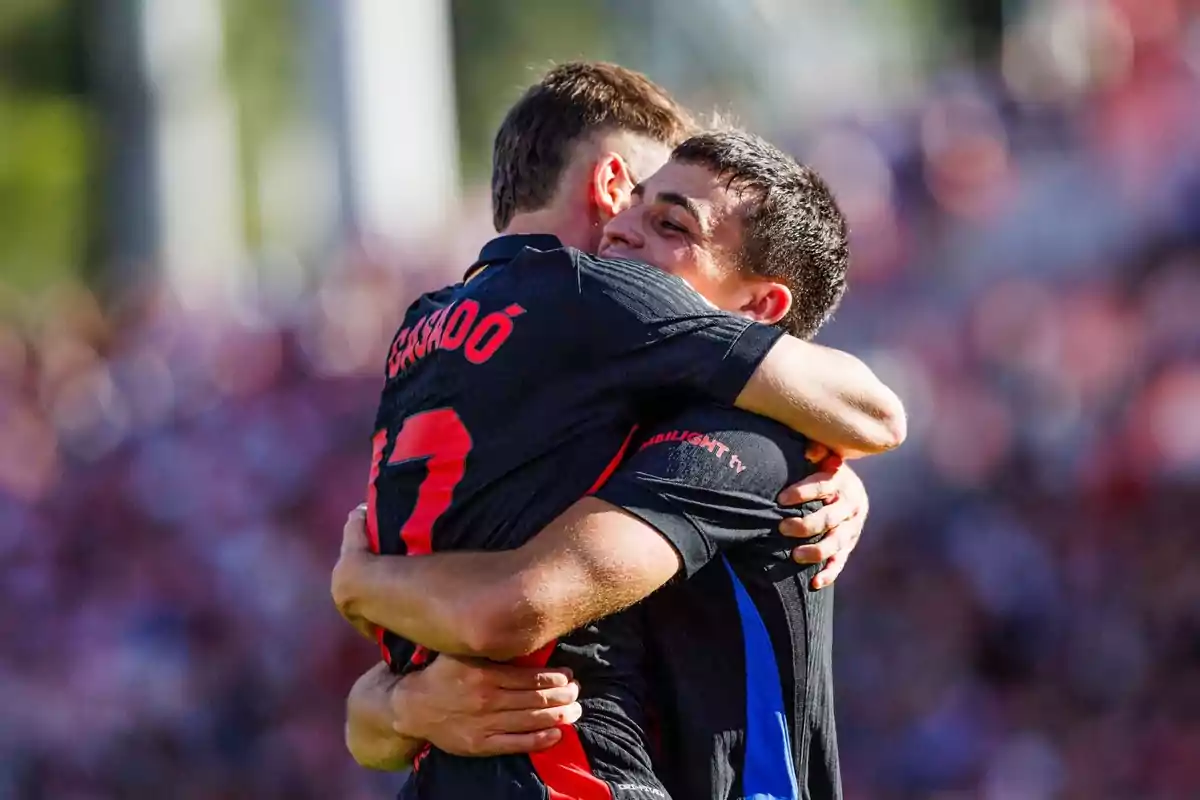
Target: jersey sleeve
{"x":708,"y":479}
{"x":655,"y":333}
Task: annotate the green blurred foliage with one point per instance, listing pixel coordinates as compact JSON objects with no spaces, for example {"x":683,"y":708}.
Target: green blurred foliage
{"x":263,"y":41}
{"x":41,"y":47}
{"x":46,"y":152}
{"x":262,"y":51}
{"x":44,"y":161}
{"x":500,"y":48}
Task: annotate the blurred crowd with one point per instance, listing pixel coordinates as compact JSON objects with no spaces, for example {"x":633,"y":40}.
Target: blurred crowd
{"x":1021,"y":620}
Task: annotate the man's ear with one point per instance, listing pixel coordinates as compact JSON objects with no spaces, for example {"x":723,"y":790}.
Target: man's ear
{"x":612,"y":186}
{"x":766,"y":301}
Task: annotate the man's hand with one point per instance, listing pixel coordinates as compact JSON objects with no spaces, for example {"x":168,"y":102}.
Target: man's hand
{"x":356,"y":550}
{"x":369,"y":734}
{"x":841,"y":519}
{"x":472,"y":707}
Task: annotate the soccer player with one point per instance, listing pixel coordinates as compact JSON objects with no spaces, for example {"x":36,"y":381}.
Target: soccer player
{"x":740,"y":646}
{"x":509,"y":395}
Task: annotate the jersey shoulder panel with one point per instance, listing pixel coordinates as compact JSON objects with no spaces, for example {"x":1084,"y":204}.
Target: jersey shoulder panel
{"x":708,"y":478}
{"x":660,"y":335}
{"x":430,"y":301}
{"x":620,"y":286}
{"x":617,"y":284}
{"x":724,"y":449}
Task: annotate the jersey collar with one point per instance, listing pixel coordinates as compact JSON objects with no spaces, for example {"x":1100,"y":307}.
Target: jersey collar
{"x":506,"y":248}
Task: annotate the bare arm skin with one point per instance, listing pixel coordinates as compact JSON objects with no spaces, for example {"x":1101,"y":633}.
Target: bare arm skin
{"x":829,"y":396}
{"x":594,"y":560}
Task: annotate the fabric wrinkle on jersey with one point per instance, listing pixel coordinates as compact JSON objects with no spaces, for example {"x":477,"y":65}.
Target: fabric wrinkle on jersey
{"x":506,"y":398}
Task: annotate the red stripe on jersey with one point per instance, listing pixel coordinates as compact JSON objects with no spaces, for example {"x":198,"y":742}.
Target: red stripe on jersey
{"x":420,"y":756}
{"x":612,"y":465}
{"x":378,"y":442}
{"x":565,"y":771}
{"x":383,"y":648}
{"x":537,"y":658}
{"x":564,"y":767}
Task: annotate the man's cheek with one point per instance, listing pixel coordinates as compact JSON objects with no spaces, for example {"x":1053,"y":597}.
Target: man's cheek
{"x":696,"y":279}
{"x":674,"y":260}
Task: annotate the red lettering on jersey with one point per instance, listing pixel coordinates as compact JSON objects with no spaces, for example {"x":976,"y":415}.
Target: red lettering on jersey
{"x":714,"y":446}
{"x":429,"y":341}
{"x":495,"y":328}
{"x":421,"y":334}
{"x":406,"y":358}
{"x":459,"y":325}
{"x":439,"y":327}
{"x":393,"y":362}
{"x":653,"y":440}
{"x":447,"y":329}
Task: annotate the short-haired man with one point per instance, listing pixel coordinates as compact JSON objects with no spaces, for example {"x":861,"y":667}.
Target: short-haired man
{"x":741,"y":648}
{"x":554,"y":355}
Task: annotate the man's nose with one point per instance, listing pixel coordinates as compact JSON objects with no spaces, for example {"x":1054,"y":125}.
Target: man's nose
{"x":623,"y":232}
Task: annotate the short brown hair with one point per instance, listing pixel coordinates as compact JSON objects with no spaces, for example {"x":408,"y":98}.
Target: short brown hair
{"x":573,"y":101}
{"x":795,"y":232}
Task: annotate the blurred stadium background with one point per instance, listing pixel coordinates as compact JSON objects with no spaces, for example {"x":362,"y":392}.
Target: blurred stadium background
{"x":213,"y":212}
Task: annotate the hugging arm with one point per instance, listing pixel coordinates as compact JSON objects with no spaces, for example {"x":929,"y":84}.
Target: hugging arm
{"x":660,"y":336}
{"x":827,"y":395}
{"x":672,"y":507}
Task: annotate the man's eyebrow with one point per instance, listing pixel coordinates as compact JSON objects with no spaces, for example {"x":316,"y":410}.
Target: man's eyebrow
{"x":686,"y":203}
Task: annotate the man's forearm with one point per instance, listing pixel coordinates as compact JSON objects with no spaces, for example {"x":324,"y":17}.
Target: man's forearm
{"x":827,"y":395}
{"x":593,"y":560}
{"x":371,"y":737}
{"x":448,"y":602}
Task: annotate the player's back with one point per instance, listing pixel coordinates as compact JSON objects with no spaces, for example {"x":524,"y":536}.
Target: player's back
{"x":750,"y":625}
{"x":489,"y":409}
{"x":508,"y":398}
{"x":740,"y":651}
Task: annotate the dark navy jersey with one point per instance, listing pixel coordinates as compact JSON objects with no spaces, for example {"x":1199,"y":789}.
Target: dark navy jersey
{"x":738,"y":647}
{"x":508,"y":398}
